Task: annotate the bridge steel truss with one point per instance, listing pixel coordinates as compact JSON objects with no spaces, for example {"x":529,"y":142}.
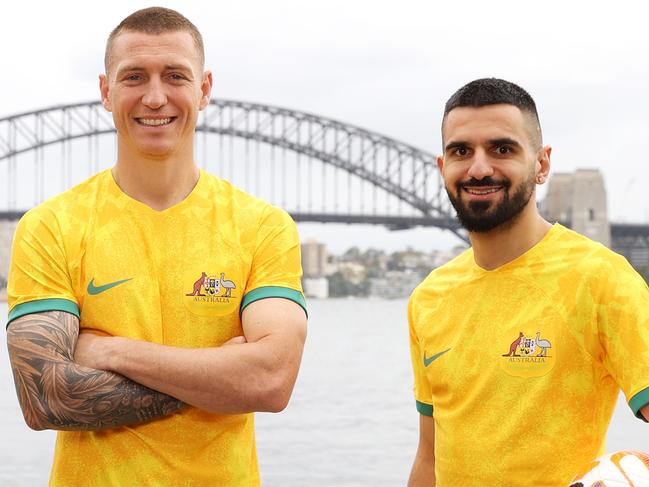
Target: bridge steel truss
{"x":398,"y":169}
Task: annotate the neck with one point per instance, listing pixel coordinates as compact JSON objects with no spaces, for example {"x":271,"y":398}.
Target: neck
{"x":158,"y":183}
{"x":510,"y":240}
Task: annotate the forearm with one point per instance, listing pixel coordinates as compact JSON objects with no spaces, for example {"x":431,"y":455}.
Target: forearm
{"x":56,"y":393}
{"x":422,"y":473}
{"x":231,"y":379}
{"x":423,"y":468}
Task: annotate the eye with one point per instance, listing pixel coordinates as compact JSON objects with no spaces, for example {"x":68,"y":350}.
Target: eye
{"x":461,"y":151}
{"x":132,"y":77}
{"x":176,"y":77}
{"x":503,"y":150}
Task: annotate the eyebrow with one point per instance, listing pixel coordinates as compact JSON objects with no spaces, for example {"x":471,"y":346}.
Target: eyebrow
{"x":177,"y":67}
{"x":504,"y":141}
{"x":455,"y":145}
{"x":493,"y":142}
{"x":168,"y":67}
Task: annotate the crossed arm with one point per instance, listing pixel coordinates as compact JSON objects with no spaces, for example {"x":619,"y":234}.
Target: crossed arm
{"x":252,"y":373}
{"x":69,"y":382}
{"x":54,"y":392}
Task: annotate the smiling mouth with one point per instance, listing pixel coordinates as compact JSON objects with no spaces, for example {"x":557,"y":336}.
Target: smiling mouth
{"x":155,"y":122}
{"x":482,"y":191}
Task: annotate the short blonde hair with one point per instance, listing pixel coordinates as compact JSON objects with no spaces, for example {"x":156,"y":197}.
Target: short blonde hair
{"x":155,"y":20}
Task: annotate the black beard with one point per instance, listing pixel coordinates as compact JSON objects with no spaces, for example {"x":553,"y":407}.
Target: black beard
{"x":477,"y":215}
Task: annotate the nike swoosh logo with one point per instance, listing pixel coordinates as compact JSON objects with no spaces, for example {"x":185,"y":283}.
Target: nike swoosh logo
{"x":429,"y":360}
{"x":92,"y":289}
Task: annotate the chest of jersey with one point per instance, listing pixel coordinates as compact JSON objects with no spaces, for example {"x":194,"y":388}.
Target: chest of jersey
{"x":507,"y":375}
{"x":506,"y":339}
{"x":165,"y":278}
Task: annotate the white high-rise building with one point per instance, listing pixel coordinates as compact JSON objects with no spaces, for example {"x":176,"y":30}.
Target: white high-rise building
{"x":314,"y":265}
{"x":314,"y":259}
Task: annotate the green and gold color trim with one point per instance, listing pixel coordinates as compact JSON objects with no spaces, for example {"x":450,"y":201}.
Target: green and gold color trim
{"x":425,"y":409}
{"x":42,"y":305}
{"x":637,"y":402}
{"x":273,"y":292}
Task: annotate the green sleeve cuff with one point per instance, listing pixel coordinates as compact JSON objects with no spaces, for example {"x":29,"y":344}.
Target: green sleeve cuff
{"x":273,"y":292}
{"x":41,"y":305}
{"x":425,"y":409}
{"x":637,"y":402}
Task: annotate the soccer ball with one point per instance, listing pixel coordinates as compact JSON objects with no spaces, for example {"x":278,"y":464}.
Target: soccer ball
{"x":622,"y":468}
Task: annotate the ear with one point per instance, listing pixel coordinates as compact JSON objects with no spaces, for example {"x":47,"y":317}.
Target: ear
{"x":206,"y":89}
{"x":543,"y":164}
{"x":103,"y":89}
{"x":440,"y":163}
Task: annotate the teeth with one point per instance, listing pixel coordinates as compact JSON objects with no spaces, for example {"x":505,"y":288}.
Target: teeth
{"x":154,"y":121}
{"x":481,"y":191}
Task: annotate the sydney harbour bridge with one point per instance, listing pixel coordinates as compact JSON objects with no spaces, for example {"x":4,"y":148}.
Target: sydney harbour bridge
{"x":318,"y":169}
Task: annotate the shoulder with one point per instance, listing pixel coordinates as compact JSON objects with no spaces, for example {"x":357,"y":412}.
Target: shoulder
{"x":67,"y":209}
{"x":449,"y":275}
{"x":442,"y":280}
{"x":587,"y":256}
{"x":591,"y":266}
{"x":246,"y":209}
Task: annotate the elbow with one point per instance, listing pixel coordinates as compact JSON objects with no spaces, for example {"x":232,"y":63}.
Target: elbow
{"x":276,"y":395}
{"x":276,"y":403}
{"x":38,"y":411}
{"x":35,"y":412}
{"x":34,"y":419}
{"x":277,"y":387}
{"x":36,"y":426}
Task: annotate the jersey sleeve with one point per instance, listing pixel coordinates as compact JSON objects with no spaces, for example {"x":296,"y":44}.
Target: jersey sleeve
{"x":422,"y":386}
{"x":276,"y":265}
{"x":38,"y":273}
{"x":623,"y":325}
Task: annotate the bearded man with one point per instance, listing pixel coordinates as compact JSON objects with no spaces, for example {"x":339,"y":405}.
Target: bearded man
{"x":521,"y":344}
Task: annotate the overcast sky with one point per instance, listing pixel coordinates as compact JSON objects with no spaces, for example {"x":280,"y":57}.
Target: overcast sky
{"x":385,"y":66}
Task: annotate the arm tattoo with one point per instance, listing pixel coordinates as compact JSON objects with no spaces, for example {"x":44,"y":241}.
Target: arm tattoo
{"x":56,"y":393}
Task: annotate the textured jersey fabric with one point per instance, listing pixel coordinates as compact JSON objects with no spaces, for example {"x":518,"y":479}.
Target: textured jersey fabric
{"x":178,"y":277}
{"x":521,"y":366}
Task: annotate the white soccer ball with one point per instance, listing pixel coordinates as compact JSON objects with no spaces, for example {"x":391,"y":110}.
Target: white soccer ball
{"x":619,"y":469}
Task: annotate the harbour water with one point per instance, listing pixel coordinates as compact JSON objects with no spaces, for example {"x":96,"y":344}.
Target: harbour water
{"x":351,"y":421}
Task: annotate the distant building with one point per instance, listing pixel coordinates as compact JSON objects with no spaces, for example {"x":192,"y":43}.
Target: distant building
{"x":578,"y":200}
{"x":314,"y":267}
{"x":633,"y":243}
{"x":352,"y":271}
{"x":411,"y":260}
{"x":394,"y":284}
{"x":314,"y":259}
{"x":316,"y":287}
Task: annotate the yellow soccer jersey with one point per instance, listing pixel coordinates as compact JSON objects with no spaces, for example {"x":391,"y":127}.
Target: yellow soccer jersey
{"x":520,"y":366}
{"x":178,"y":277}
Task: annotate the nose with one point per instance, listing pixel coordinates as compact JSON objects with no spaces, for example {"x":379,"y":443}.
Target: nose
{"x":155,"y":96}
{"x":480,"y":166}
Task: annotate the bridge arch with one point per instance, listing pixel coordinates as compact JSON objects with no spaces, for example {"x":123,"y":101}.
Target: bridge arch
{"x":399,"y":169}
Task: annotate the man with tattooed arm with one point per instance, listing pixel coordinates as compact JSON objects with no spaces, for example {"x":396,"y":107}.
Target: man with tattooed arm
{"x":154,"y":307}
